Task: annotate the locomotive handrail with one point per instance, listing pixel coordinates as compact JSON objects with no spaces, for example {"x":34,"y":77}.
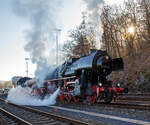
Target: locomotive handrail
{"x":70,"y":82}
{"x":52,"y":80}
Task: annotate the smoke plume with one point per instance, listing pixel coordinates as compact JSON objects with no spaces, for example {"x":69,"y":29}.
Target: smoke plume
{"x":40,"y":39}
{"x":22,"y":96}
{"x":93,"y":8}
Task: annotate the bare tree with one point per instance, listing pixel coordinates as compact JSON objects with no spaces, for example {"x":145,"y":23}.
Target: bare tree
{"x":81,"y":40}
{"x":144,"y":10}
{"x":118,"y":20}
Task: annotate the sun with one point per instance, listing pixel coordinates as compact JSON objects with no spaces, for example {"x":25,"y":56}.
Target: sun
{"x":131,"y":30}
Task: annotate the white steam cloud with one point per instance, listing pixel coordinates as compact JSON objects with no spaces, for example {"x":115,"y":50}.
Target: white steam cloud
{"x":43,"y":16}
{"x":94,"y":9}
{"x":40,"y":44}
{"x":22,"y":96}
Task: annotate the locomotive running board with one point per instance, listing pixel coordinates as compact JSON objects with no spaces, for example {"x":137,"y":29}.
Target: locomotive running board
{"x":64,"y":78}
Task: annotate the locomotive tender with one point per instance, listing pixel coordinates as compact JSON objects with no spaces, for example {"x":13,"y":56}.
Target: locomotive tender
{"x":85,"y":78}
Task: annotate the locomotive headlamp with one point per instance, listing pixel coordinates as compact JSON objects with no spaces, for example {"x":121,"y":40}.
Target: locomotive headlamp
{"x":105,"y":59}
{"x":100,"y":84}
{"x":118,"y":85}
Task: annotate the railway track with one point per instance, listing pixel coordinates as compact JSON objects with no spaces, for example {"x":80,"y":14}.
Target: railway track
{"x":138,"y":94}
{"x":127,"y":105}
{"x":31,"y":116}
{"x":100,"y":111}
{"x":11,"y":119}
{"x":135,"y":97}
{"x":130,"y":101}
{"x":59,"y":120}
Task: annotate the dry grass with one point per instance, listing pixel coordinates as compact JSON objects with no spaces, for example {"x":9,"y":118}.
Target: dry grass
{"x":136,"y":70}
{"x":5,"y":84}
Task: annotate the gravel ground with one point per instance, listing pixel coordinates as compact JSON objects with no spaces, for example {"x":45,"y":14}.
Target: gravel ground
{"x":3,"y":121}
{"x":138,"y":114}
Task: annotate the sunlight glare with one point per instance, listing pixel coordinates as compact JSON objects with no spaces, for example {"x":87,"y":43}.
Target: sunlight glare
{"x":131,"y":30}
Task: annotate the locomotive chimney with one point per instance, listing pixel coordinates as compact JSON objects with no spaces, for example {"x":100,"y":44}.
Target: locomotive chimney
{"x":93,"y":50}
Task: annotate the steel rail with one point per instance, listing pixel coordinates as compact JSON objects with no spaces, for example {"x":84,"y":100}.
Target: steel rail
{"x":14,"y":117}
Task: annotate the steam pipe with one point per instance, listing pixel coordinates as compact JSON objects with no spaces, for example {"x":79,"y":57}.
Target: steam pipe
{"x":27,"y":66}
{"x":57,"y":45}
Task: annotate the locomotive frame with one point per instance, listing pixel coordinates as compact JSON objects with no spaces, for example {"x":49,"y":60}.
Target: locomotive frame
{"x":99,"y":93}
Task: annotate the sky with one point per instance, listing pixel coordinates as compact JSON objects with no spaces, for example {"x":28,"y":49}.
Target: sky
{"x":12,"y":36}
{"x":11,"y":39}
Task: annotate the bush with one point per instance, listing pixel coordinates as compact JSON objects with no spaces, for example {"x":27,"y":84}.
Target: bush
{"x":144,"y":87}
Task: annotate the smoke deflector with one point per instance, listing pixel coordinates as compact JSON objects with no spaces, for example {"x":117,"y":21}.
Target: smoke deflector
{"x":117,"y":64}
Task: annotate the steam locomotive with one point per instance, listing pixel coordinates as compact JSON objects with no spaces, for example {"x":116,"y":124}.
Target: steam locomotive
{"x":23,"y":81}
{"x":85,"y":78}
{"x":81,"y":79}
